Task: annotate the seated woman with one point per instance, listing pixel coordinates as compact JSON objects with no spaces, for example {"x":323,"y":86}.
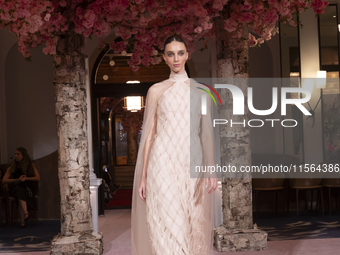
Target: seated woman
{"x":22,"y":172}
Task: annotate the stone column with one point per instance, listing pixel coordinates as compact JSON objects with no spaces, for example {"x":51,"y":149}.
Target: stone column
{"x":77,"y":235}
{"x":237,"y":233}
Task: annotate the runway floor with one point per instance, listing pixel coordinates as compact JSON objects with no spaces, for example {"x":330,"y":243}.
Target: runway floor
{"x":115,"y":226}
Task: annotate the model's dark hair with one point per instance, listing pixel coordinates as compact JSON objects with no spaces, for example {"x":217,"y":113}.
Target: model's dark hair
{"x":175,"y":38}
{"x":25,"y":164}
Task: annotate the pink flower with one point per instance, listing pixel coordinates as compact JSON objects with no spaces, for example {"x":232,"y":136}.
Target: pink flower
{"x":219,"y":4}
{"x":292,"y":23}
{"x":23,"y":13}
{"x":90,"y":18}
{"x":252,"y":40}
{"x":198,"y":30}
{"x":260,"y":40}
{"x":230,"y":25}
{"x":35,"y":22}
{"x":206,"y":25}
{"x":50,"y":48}
{"x":47,"y":17}
{"x":62,"y":3}
{"x":156,"y":60}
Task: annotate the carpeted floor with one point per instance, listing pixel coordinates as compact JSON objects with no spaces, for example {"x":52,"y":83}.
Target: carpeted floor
{"x":30,"y":239}
{"x":122,"y":198}
{"x":117,"y":239}
{"x":305,"y":226}
{"x":115,"y":226}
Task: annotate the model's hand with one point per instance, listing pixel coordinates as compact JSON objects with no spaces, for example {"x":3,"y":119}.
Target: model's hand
{"x":142,"y":189}
{"x":22,"y":178}
{"x":213,"y":184}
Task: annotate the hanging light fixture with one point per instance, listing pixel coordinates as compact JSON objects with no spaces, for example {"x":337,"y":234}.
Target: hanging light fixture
{"x":133,"y":103}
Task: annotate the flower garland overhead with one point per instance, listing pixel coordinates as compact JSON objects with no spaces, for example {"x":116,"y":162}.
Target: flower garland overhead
{"x":144,"y":24}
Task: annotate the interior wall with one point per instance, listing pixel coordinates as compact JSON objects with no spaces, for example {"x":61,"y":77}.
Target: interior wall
{"x":264,"y":139}
{"x":309,"y":54}
{"x":7,"y":40}
{"x":30,"y":110}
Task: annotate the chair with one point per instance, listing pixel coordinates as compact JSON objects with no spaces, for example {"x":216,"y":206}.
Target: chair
{"x":12,"y":205}
{"x":306,"y":184}
{"x":267,"y":185}
{"x":36,"y":187}
{"x":1,"y":206}
{"x":9,"y":202}
{"x":2,"y":200}
{"x":1,"y":196}
{"x":274,"y":181}
{"x":331,"y":183}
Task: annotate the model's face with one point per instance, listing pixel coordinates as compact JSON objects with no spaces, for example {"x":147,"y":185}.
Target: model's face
{"x":175,"y":56}
{"x":18,"y":156}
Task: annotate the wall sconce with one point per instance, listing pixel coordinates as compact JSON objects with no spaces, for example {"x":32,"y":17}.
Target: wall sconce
{"x":321,"y":84}
{"x":321,"y":79}
{"x":133,"y":103}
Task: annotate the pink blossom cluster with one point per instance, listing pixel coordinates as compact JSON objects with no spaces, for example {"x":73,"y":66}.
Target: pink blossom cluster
{"x":262,"y":16}
{"x":319,"y":6}
{"x":33,"y":22}
{"x":144,"y":25}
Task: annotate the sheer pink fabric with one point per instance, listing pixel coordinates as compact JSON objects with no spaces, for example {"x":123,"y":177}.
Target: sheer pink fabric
{"x":178,"y":218}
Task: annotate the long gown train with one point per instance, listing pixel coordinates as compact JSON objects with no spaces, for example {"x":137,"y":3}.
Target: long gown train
{"x":178,"y":207}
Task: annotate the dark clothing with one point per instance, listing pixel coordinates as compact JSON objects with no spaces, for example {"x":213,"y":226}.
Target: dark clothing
{"x":24,"y":190}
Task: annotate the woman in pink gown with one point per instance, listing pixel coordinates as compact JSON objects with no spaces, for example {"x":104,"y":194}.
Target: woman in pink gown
{"x":172,"y":213}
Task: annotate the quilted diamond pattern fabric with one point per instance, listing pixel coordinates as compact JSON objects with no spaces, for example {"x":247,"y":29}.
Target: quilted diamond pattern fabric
{"x":174,"y":201}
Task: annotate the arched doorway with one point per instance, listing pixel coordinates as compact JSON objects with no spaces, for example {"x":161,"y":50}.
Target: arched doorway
{"x":109,"y":86}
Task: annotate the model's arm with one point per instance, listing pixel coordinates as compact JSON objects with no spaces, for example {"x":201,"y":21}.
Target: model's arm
{"x":36,"y":174}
